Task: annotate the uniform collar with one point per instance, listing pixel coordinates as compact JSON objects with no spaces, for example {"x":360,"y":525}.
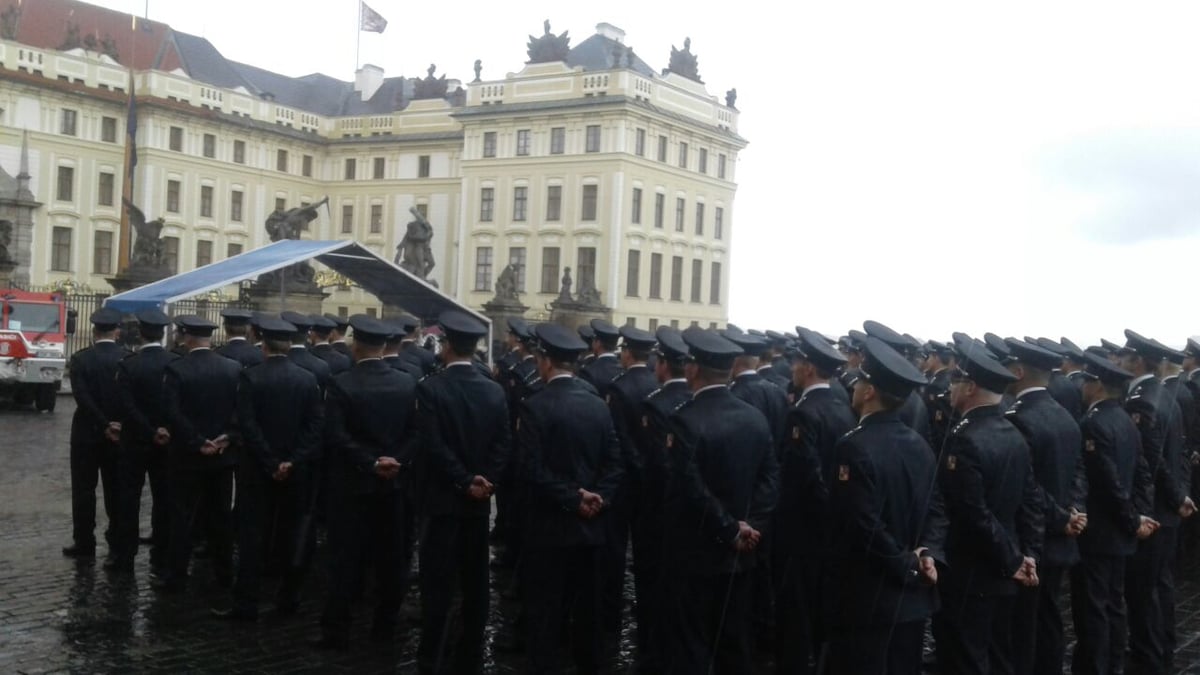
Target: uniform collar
{"x":1138,"y":380}
{"x":765,"y":366}
{"x":1030,"y":390}
{"x":559,"y":377}
{"x":813,"y":387}
{"x":710,"y":387}
{"x":199,"y":349}
{"x":100,"y":342}
{"x":745,"y":373}
{"x":674,"y":381}
{"x":235,"y":339}
{"x":458,"y":363}
{"x":636,"y":365}
{"x":149,"y":345}
{"x":607,"y":355}
{"x":298,"y":347}
{"x":369,"y":359}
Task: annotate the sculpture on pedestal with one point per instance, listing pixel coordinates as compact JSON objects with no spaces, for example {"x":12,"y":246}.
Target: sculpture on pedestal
{"x":6,"y":230}
{"x":415,"y":251}
{"x":549,"y":47}
{"x":288,"y":224}
{"x":684,"y":62}
{"x":149,"y":256}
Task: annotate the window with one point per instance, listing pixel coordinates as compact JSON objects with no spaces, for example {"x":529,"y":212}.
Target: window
{"x":721,"y":166}
{"x":281,"y":160}
{"x":203,"y":253}
{"x":108,"y":129}
{"x":522,"y":142}
{"x":380,"y":164}
{"x":553,"y":203}
{"x":102,"y":253}
{"x":347,"y":218}
{"x":714,"y":293}
{"x":171,"y":253}
{"x":637,"y":206}
{"x":423,"y":166}
{"x":373,"y":312}
{"x":550,"y":269}
{"x":280,"y":204}
{"x":68,"y":121}
{"x":699,"y":218}
{"x":489,"y":144}
{"x":656,"y":275}
{"x":210,"y":146}
{"x":520,"y":202}
{"x":702,"y":161}
{"x":683,"y":148}
{"x":235,"y":206}
{"x":306,"y":165}
{"x":516,"y":256}
{"x":66,"y":184}
{"x":106,"y":190}
{"x":662,"y":148}
{"x":653,"y":325}
{"x":639,"y":143}
{"x":232,"y":250}
{"x":633,"y":271}
{"x":351,"y":168}
{"x":675,"y":324}
{"x":483,"y":268}
{"x":697,"y":278}
{"x":593,"y":138}
{"x":558,"y":140}
{"x":487,"y":202}
{"x":376,"y":218}
{"x":239,"y":152}
{"x":660,"y":204}
{"x":60,"y":249}
{"x":676,"y":277}
{"x":589,"y":203}
{"x":586,"y":270}
{"x":176,"y":139}
{"x":680,"y":206}
{"x":718,"y":223}
{"x":206,"y":194}
{"x":173,"y":196}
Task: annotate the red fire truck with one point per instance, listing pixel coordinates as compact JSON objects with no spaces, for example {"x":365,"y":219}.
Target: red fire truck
{"x":33,"y":340}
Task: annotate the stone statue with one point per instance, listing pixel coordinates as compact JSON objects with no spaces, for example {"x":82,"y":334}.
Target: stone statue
{"x":683,"y":62}
{"x":415,"y":252}
{"x":149,"y":251}
{"x":588,"y":294}
{"x":618,"y":51}
{"x":289,"y":224}
{"x":478,"y":69}
{"x":430,"y":86}
{"x":8,"y":21}
{"x":6,"y":228}
{"x":564,"y":294}
{"x":506,"y":285}
{"x":549,"y":47}
{"x":731,"y":98}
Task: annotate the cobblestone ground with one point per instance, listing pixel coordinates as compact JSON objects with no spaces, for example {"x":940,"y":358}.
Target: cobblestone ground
{"x":58,"y":615}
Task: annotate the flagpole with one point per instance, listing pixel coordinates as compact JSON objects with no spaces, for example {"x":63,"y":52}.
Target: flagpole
{"x":358,"y":33}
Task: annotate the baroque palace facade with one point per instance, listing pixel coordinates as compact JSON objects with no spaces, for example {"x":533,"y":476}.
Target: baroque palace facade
{"x":586,"y":159}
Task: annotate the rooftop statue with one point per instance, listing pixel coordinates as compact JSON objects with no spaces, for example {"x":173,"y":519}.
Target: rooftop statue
{"x":549,"y":47}
{"x":683,"y":62}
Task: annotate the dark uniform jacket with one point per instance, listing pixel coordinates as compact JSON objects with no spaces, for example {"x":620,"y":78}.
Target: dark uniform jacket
{"x":992,"y":503}
{"x":568,"y":442}
{"x":141,"y":379}
{"x":94,"y":386}
{"x":1112,"y":449}
{"x":767,"y":398}
{"x":280,"y":414}
{"x":651,"y":466}
{"x":342,"y":348}
{"x":1153,"y":411}
{"x":368,"y":415}
{"x":242,"y":351}
{"x":1066,"y":393}
{"x":916,"y":416}
{"x":1056,"y":447}
{"x":601,"y":371}
{"x":404,"y":365}
{"x":624,"y":397}
{"x":418,"y":355}
{"x":338,"y":362}
{"x":1186,"y":399}
{"x":884,"y":506}
{"x":937,"y":403}
{"x":200,"y":393}
{"x":313,"y":364}
{"x":770,"y":374}
{"x":463,"y":427}
{"x":722,"y":469}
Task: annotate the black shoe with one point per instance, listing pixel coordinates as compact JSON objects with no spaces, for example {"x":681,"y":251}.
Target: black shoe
{"x":330,"y":643}
{"x":233,"y":614}
{"x":77,"y":551}
{"x":118,"y":565}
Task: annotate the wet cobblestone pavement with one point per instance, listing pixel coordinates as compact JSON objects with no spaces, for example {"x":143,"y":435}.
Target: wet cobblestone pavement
{"x":59,"y":615}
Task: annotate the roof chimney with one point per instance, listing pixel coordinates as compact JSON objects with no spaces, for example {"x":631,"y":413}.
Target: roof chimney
{"x":368,"y":80}
{"x":610,"y":31}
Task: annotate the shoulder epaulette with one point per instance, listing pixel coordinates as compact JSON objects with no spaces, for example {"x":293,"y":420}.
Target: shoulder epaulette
{"x":853,"y":431}
{"x":960,"y":426}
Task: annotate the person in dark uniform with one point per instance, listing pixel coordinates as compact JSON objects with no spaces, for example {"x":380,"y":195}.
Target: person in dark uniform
{"x":799,"y":537}
{"x":200,"y":397}
{"x":1189,"y":379}
{"x":1117,"y":503}
{"x":337,"y":337}
{"x":1149,"y":587}
{"x":767,"y":357}
{"x":588,"y":336}
{"x":511,"y":350}
{"x":914,"y":413}
{"x":391,"y":350}
{"x":850,"y":346}
{"x":462,"y":423}
{"x":95,"y":434}
{"x":572,"y":466}
{"x":411,"y":349}
{"x":299,"y":353}
{"x":940,"y":362}
{"x":722,"y":487}
{"x":279,"y":417}
{"x":605,"y":367}
{"x":624,"y":396}
{"x":144,"y":441}
{"x":369,"y":435}
{"x":995,"y":520}
{"x":648,"y":488}
{"x":515,"y":379}
{"x":779,"y":344}
{"x":1056,"y":448}
{"x":237,"y":333}
{"x":1061,"y":388}
{"x":322,"y":328}
{"x":888,"y":528}
{"x":1072,"y":366}
{"x":750,"y":386}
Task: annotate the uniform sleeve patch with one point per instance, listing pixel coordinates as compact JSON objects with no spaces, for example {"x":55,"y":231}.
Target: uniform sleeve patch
{"x":843,"y":472}
{"x":951,"y":462}
{"x":1089,"y":445}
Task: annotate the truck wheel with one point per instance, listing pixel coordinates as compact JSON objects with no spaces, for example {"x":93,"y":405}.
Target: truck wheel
{"x":46,"y":398}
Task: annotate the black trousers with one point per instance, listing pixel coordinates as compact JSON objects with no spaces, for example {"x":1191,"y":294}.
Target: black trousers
{"x":562,"y":598}
{"x":649,"y":584}
{"x":797,"y":583}
{"x":973,"y":634}
{"x":613,"y":556}
{"x":707,"y":627}
{"x":1166,"y":593}
{"x":454,"y":556}
{"x":92,"y":461}
{"x":876,"y":650}
{"x":133,"y":466}
{"x":1098,"y":614}
{"x":365,"y":530}
{"x":275,"y":531}
{"x":200,"y":497}
{"x":1037,"y":626}
{"x":1144,"y":599}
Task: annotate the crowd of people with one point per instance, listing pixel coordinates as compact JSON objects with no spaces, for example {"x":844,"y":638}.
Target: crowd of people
{"x":818,"y":505}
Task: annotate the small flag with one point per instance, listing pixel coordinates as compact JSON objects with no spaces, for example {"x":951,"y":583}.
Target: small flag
{"x":371,"y":21}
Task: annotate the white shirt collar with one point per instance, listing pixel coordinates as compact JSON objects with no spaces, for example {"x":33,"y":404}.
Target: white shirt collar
{"x":813,"y":387}
{"x":369,"y":358}
{"x":96,"y":342}
{"x":763,"y":367}
{"x":1026,"y":391}
{"x":1192,"y":373}
{"x":298,"y":347}
{"x":1138,"y":380}
{"x":149,"y":345}
{"x":701,"y":390}
{"x":200,"y":349}
{"x":559,"y":377}
{"x":607,"y":355}
{"x":458,"y":363}
{"x":674,"y":380}
{"x":746,"y":372}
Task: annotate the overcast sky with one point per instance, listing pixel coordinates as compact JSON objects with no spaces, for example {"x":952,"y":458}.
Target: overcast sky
{"x":1025,"y":168}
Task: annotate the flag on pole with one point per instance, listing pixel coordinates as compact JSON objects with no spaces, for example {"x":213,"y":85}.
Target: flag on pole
{"x":370,"y":21}
{"x":131,"y":130}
